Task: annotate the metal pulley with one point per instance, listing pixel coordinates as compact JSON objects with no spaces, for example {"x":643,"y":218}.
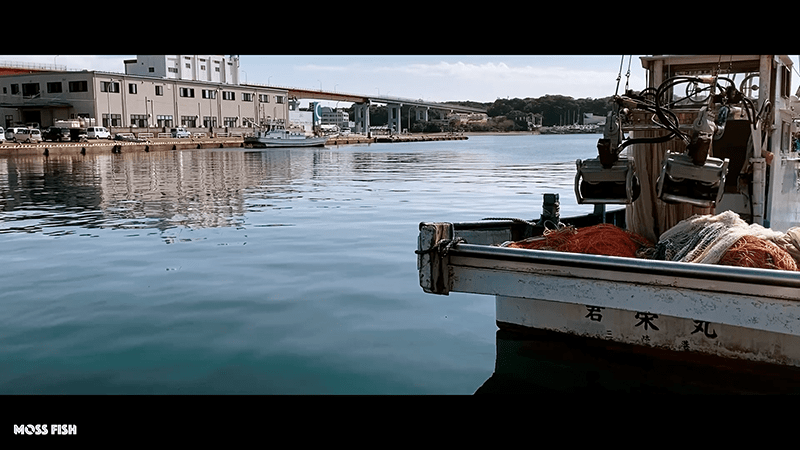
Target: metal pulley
{"x":607,"y":179}
{"x":694,"y":177}
{"x":617,"y":184}
{"x":683,"y":181}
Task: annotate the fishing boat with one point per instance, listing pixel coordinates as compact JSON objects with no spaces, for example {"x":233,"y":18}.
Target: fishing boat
{"x":704,"y":167}
{"x":276,"y":135}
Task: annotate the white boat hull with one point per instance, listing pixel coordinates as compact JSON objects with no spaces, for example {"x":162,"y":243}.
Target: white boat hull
{"x":731,"y":312}
{"x":659,"y":331}
{"x":279,"y":143}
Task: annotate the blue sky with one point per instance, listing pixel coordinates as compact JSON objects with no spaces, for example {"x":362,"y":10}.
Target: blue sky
{"x":429,"y":77}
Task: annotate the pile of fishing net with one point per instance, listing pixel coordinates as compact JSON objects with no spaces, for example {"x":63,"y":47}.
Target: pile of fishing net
{"x":707,"y":239}
{"x":727,"y":239}
{"x":604,"y":239}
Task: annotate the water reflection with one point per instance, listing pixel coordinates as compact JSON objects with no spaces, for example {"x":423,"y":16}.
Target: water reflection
{"x":298,"y":252}
{"x":540,"y":362}
{"x":215,"y":188}
{"x":138,"y":190}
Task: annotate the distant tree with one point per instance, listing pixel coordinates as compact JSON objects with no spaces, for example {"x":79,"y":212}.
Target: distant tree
{"x":499,"y":108}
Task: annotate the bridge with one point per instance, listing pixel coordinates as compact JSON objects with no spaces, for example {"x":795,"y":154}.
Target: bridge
{"x":393,"y":105}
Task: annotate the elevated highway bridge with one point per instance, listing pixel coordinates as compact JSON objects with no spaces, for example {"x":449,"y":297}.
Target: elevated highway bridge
{"x":393,"y":105}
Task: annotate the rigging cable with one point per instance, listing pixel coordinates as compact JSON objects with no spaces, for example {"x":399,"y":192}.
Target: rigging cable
{"x":628,"y":75}
{"x":619,"y":74}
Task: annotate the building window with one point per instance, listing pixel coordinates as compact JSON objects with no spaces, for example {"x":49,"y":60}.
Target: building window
{"x":228,"y":95}
{"x":172,"y":70}
{"x":209,"y":93}
{"x":116,"y":120}
{"x":151,"y":69}
{"x":78,"y":86}
{"x":14,"y":89}
{"x":230,"y":121}
{"x":247,"y":97}
{"x":209,"y":121}
{"x":109,"y":86}
{"x":30,"y":90}
{"x":263,"y":98}
{"x":139,"y":120}
{"x":187,"y":92}
{"x":164,"y":121}
{"x":279,"y":99}
{"x":189,"y":121}
{"x":131,"y":88}
{"x":159,"y":90}
{"x":54,"y":88}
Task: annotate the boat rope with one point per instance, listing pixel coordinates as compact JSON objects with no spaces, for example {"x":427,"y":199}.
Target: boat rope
{"x":442,"y":247}
{"x":515,"y":220}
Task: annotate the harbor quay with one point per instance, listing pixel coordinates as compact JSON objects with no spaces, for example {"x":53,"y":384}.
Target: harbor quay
{"x":168,"y":144}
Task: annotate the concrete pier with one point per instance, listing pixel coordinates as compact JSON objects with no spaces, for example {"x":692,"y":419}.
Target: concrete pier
{"x":112,"y":146}
{"x":166,"y":144}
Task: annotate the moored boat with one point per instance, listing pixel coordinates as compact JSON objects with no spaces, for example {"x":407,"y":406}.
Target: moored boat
{"x":276,"y":135}
{"x":707,"y":168}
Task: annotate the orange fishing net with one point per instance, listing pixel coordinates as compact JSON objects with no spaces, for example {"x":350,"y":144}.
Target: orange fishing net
{"x":602,"y":239}
{"x":752,"y":251}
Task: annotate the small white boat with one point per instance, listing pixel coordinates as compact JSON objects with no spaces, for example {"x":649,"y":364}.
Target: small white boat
{"x":700,"y":169}
{"x":276,"y":135}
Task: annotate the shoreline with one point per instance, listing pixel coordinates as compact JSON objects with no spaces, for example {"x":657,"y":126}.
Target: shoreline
{"x":167,"y":144}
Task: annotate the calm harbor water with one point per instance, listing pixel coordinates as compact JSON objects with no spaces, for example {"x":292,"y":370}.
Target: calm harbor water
{"x":236,"y":271}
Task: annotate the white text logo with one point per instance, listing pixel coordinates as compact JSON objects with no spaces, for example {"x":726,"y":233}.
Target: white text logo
{"x":40,"y":429}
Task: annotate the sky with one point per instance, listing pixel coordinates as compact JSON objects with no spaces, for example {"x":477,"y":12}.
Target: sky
{"x":428,"y":77}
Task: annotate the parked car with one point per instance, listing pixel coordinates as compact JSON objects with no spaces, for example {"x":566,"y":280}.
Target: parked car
{"x":57,"y":134}
{"x":24,"y":135}
{"x":35,"y":135}
{"x":180,"y":133}
{"x":9,"y":134}
{"x":98,"y":133}
{"x":2,"y":135}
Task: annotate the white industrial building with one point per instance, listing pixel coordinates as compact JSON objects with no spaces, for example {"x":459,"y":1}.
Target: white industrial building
{"x":338,"y":117}
{"x":202,"y":93}
{"x":213,"y":68}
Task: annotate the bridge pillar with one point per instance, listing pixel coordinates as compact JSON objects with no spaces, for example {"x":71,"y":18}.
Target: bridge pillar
{"x":393,"y":111}
{"x":422,"y":114}
{"x":361,"y":118}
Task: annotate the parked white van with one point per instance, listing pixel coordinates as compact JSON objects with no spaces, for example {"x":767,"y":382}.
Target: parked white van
{"x":9,"y":134}
{"x":180,"y":133}
{"x":97,"y":133}
{"x":18,"y":134}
